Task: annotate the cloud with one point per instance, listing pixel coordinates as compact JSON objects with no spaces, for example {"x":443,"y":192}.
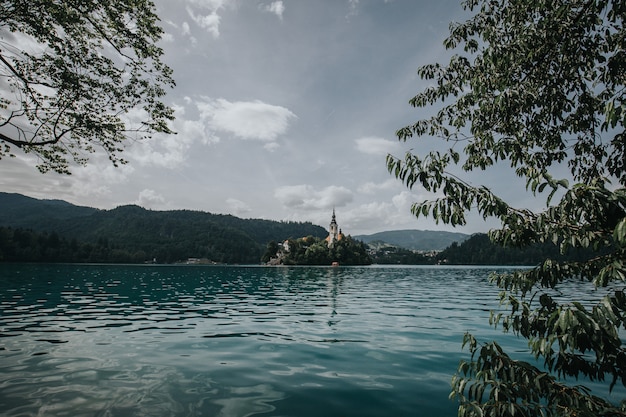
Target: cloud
{"x":186,"y":30}
{"x":166,"y":152}
{"x":272,"y":146}
{"x":376,"y":146}
{"x":247,"y":119}
{"x":210,"y":4}
{"x":276,"y":7}
{"x":363,"y":216}
{"x":167,"y":37}
{"x":149,"y":198}
{"x":383,"y":215}
{"x":199,"y":121}
{"x":95,"y":178}
{"x":372,"y":187}
{"x":169,"y":151}
{"x":98,"y":181}
{"x":352,"y":8}
{"x":210,"y":22}
{"x":238,"y":207}
{"x":405,"y":200}
{"x":210,"y":19}
{"x":306,"y":197}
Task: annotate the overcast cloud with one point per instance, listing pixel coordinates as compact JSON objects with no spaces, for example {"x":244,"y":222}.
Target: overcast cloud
{"x":284,"y":111}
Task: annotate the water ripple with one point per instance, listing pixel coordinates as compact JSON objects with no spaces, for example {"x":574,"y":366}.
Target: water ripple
{"x":94,"y":340}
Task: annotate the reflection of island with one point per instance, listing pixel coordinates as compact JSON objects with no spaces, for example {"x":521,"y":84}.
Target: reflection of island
{"x":334,"y":282}
{"x":336,"y":249}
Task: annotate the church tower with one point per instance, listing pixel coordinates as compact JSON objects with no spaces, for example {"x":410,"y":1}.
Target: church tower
{"x":333,"y":231}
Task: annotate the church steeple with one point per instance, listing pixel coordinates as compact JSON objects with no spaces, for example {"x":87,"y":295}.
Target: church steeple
{"x":333,"y":230}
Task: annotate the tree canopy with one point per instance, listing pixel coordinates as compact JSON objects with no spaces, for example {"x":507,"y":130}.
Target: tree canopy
{"x":77,"y":76}
{"x":538,"y":86}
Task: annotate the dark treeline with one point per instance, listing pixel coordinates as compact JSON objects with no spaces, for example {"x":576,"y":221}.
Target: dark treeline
{"x":21,"y":245}
{"x":479,"y":250}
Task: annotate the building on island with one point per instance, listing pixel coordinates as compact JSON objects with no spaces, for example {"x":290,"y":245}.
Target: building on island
{"x":334,"y":232}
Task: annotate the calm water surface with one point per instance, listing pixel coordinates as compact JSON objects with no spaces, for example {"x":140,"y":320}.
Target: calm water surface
{"x":94,"y":340}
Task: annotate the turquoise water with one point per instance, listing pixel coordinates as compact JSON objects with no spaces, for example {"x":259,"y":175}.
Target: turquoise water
{"x":97,"y":340}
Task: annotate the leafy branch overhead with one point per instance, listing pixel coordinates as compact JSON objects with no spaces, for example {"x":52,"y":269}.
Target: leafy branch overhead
{"x":78,"y":76}
{"x":539,"y":87}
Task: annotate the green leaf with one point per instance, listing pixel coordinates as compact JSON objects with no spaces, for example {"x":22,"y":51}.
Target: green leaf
{"x":619,"y":233}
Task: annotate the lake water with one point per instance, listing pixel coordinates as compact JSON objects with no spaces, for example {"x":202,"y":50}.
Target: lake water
{"x":102,"y":340}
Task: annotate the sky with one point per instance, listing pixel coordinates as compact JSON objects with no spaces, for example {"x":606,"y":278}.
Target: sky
{"x":284,"y":111}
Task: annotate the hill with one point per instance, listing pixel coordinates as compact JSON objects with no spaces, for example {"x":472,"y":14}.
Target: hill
{"x":133,"y":233}
{"x":420,"y":240}
{"x":480,"y":250}
{"x":21,"y":211}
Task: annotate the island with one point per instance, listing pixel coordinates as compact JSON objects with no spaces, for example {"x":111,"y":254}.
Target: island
{"x":336,"y":249}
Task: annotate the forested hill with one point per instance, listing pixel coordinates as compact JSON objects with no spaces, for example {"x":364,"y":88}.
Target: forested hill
{"x":132,"y":234}
{"x":479,"y":250}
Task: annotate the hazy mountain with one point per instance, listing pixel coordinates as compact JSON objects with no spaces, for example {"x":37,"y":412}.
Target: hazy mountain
{"x":422,"y":240}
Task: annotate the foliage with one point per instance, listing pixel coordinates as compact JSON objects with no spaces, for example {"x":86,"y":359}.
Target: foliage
{"x":74,"y":72}
{"x":22,"y":245}
{"x":271,"y":250}
{"x":539,"y":86}
{"x":312,"y":250}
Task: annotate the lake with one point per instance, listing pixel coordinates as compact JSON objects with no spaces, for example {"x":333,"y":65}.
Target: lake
{"x":111,"y":340}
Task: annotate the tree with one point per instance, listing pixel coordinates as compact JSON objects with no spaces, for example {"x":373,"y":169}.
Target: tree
{"x":317,"y":254}
{"x":539,"y":86}
{"x":80,"y":75}
{"x":270,"y":251}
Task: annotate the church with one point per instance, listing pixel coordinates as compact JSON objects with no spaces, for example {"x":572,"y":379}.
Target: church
{"x":334,"y":232}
